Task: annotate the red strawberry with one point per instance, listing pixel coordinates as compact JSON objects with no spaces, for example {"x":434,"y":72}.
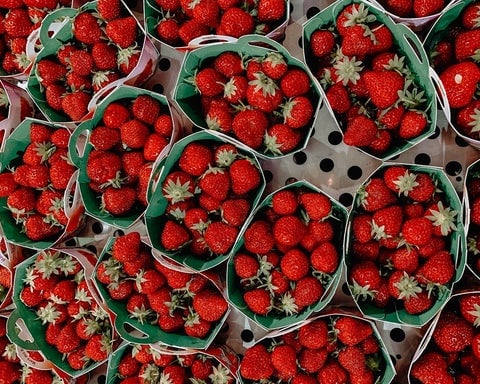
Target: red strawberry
{"x":460,"y":81}
{"x":75,"y":104}
{"x":322,"y":42}
{"x":249,"y":126}
{"x":258,"y":301}
{"x":17,"y":23}
{"x":256,"y":363}
{"x":383,"y":87}
{"x":236,"y":22}
{"x":220,"y":237}
{"x":431,"y":367}
{"x":452,"y":333}
{"x":439,"y":268}
{"x":134,"y":133}
{"x":245,"y":176}
{"x":109,"y":10}
{"x":271,"y":10}
{"x":361,"y":131}
{"x":86,"y":28}
{"x":196,"y":159}
{"x":412,"y":124}
{"x":308,"y":291}
{"x":352,"y":331}
{"x":122,"y":31}
{"x":173,"y":236}
{"x":295,"y":82}
{"x":210,"y":305}
{"x":298,"y":111}
{"x":235,"y":211}
{"x":258,"y":237}
{"x":423,"y":8}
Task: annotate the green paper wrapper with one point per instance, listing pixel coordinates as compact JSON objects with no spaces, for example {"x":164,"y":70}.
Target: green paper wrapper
{"x":406,"y":43}
{"x":155,"y":216}
{"x":456,"y":245}
{"x":281,"y":320}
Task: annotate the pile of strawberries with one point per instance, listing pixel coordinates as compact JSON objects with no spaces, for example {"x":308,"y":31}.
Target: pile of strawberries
{"x":34,"y":184}
{"x":264,"y":102}
{"x":178,"y":302}
{"x":13,"y":370}
{"x":19,"y":18}
{"x":105,"y":46}
{"x":400,"y":241}
{"x":368,"y":83}
{"x":454,"y":56}
{"x":180,"y":21}
{"x":413,"y":8}
{"x":55,"y":291}
{"x":209,"y":191}
{"x":452,"y":355}
{"x":126,"y":142}
{"x":139,"y":362}
{"x":290,"y":253}
{"x":331,"y":349}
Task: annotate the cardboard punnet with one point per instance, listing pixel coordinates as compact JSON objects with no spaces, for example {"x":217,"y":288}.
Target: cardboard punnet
{"x":155,"y":216}
{"x":385,"y":375}
{"x":14,"y":146}
{"x":188,"y":99}
{"x":134,"y":331}
{"x":79,"y":138}
{"x":338,"y":217}
{"x":437,"y":32}
{"x":63,"y":33}
{"x":405,"y":43}
{"x":153,"y":13}
{"x":25,"y":328}
{"x":456,"y":245}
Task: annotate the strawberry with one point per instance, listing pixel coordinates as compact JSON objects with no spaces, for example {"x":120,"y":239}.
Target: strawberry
{"x":412,"y":124}
{"x":98,"y":347}
{"x":191,"y":29}
{"x":236,"y":22}
{"x":167,"y":30}
{"x":431,"y":367}
{"x":331,"y":372}
{"x":402,"y":8}
{"x":104,"y":56}
{"x":75,"y":104}
{"x":308,"y":291}
{"x":383,"y":87}
{"x":122,"y":31}
{"x":235,"y":211}
{"x":438,"y":268}
{"x":361,"y":131}
{"x":215,"y":182}
{"x":220,"y":237}
{"x":339,"y":98}
{"x":86,"y":28}
{"x":103,"y":166}
{"x":229,"y":64}
{"x":317,"y":206}
{"x":146,"y":109}
{"x":459,"y":81}
{"x":7,"y":184}
{"x":173,"y":236}
{"x":258,"y":301}
{"x":210,"y":305}
{"x":324,"y":258}
{"x":109,"y":10}
{"x":469,"y":16}
{"x":249,"y":126}
{"x":17,"y":23}
{"x":245,"y":176}
{"x":423,"y":8}
{"x":50,"y":71}
{"x":256,"y":363}
{"x":246,"y":266}
{"x":298,"y":111}
{"x":294,"y":264}
{"x":452,"y":333}
{"x":284,"y":360}
{"x":419,"y":303}
{"x":468,"y":306}
{"x":258,"y":237}
{"x":134,"y":133}
{"x":322,"y":42}
{"x":270,"y":10}
{"x":376,"y":195}
{"x":352,"y":331}
{"x":295,"y":82}
{"x":195,"y":158}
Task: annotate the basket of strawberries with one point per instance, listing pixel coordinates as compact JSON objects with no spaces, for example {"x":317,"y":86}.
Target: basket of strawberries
{"x":416,"y":14}
{"x":288,"y":261}
{"x":41,"y":205}
{"x":160,"y":304}
{"x":405,"y":243}
{"x":336,"y":347}
{"x":186,"y":25}
{"x":201,"y":195}
{"x":268,"y":104}
{"x":375,"y":75}
{"x":59,"y":313}
{"x":97,"y":47}
{"x":216,"y":364}
{"x":449,"y":350}
{"x":453,"y":46}
{"x":130,"y":130}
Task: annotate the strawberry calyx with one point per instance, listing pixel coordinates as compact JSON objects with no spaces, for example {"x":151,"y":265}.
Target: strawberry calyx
{"x":141,"y":314}
{"x":10,"y":352}
{"x":151,"y":374}
{"x":4,"y":100}
{"x":287,"y":304}
{"x":406,"y":183}
{"x":225,"y":157}
{"x":472,"y":245}
{"x":444,"y":217}
{"x":361,"y":293}
{"x":263,"y":83}
{"x":220,"y":375}
{"x":476,"y":314}
{"x":124,"y":54}
{"x":48,"y":313}
{"x":407,"y":286}
{"x":176,"y":191}
{"x":474,"y":123}
{"x":347,"y":69}
{"x":358,"y":15}
{"x":271,"y":145}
